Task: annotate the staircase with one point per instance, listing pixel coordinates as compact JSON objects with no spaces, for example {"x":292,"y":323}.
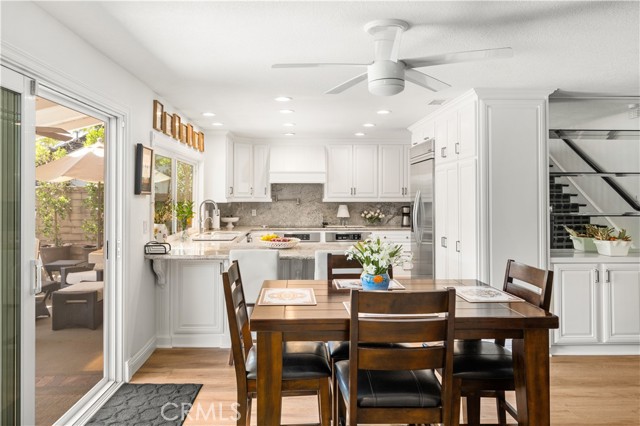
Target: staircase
{"x":563,"y":209}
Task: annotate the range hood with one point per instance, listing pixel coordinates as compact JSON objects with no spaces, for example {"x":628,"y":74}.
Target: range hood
{"x":297,"y":164}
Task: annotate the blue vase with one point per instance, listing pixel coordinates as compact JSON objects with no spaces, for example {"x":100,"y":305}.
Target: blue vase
{"x":375,"y":282}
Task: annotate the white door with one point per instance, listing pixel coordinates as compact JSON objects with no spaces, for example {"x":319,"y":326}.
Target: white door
{"x":467,"y":229}
{"x":576,"y":302}
{"x":16,"y":230}
{"x":242,"y":170}
{"x":261,"y":185}
{"x":339,"y":172}
{"x":621,"y":299}
{"x":393,"y":166}
{"x":365,"y":171}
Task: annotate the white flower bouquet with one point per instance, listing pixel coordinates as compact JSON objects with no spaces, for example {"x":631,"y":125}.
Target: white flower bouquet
{"x":372,"y":217}
{"x":376,"y":256}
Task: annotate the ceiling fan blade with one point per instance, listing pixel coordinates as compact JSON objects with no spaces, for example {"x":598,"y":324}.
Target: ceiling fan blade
{"x":318,"y":65}
{"x":451,"y":58}
{"x":426,"y":81}
{"x":347,"y":84}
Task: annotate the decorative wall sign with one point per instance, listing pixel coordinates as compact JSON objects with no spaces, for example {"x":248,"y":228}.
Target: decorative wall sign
{"x":158,"y":113}
{"x":144,"y":169}
{"x":172,"y":125}
{"x":175,"y":127}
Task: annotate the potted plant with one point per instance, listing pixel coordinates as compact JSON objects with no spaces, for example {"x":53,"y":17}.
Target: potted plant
{"x":583,"y":241}
{"x":184,"y":214}
{"x":609,"y":244}
{"x":161,"y":217}
{"x":376,"y":256}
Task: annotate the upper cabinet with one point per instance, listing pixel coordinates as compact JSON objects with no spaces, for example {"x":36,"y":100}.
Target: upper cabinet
{"x":250,"y":172}
{"x":352,"y":172}
{"x":393,"y":176}
{"x":455,"y":134}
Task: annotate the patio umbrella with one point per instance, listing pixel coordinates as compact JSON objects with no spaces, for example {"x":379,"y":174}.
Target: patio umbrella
{"x":85,"y":164}
{"x":56,"y":133}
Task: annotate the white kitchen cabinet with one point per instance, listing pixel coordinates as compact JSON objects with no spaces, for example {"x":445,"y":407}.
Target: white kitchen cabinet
{"x":455,"y":134}
{"x":597,"y":304}
{"x":250,"y":172}
{"x":393,"y":173}
{"x":455,"y":225}
{"x":396,"y":237}
{"x":422,"y":131}
{"x":491,"y":183}
{"x":352,"y":172}
{"x":191,"y":305}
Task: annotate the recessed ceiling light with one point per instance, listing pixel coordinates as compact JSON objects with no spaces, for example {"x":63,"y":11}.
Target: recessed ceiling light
{"x":359,"y":134}
{"x":217,"y":124}
{"x":289,"y":124}
{"x":283,"y":99}
{"x":369,"y":125}
{"x":384,"y":112}
{"x":209,"y":114}
{"x":287,"y":111}
{"x":289,"y":134}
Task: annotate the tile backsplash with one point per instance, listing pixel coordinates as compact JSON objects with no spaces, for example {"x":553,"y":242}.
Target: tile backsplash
{"x":309,"y":213}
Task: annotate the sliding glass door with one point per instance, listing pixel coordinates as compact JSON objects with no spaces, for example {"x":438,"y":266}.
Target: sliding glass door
{"x":17,"y":240}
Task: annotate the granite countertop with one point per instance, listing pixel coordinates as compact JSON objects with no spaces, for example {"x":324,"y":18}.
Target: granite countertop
{"x":575,"y":256}
{"x":214,"y":250}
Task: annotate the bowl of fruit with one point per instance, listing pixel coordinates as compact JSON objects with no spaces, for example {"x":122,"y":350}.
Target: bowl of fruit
{"x":274,"y":241}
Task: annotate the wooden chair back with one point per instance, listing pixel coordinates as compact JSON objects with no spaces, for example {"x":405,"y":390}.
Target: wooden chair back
{"x":540,"y":278}
{"x":339,"y":262}
{"x":402,"y":317}
{"x":241,"y":341}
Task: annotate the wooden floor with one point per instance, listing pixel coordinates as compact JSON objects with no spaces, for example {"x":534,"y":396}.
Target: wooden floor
{"x":585,"y":390}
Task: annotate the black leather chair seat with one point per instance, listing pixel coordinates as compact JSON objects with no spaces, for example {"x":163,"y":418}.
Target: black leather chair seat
{"x":404,"y":388}
{"x":300,"y":360}
{"x":476,"y":359}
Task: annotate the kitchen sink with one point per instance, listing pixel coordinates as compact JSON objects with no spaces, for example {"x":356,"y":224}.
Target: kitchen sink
{"x":217,"y":236}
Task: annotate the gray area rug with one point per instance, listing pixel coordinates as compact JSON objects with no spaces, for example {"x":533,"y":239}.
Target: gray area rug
{"x":147,"y":405}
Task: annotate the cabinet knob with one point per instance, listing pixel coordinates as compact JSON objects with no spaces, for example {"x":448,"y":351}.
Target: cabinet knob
{"x":443,"y":242}
{"x":443,"y":152}
{"x":231,"y":190}
{"x":457,"y":147}
{"x":597,"y":276}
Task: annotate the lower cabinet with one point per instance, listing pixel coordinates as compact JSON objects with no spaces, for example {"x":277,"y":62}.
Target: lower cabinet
{"x":191,"y":305}
{"x":397,"y":237}
{"x":598,"y":305}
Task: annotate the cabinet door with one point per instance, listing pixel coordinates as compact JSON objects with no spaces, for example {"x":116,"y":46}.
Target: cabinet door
{"x":405,"y":162}
{"x":444,"y":180}
{"x":440,"y":131}
{"x":621,"y":302}
{"x":197,"y":302}
{"x":576,"y":303}
{"x":230,"y":189}
{"x":453,"y":213}
{"x":339,"y":171}
{"x":468,"y":214}
{"x":365,"y":171}
{"x":466,"y":143}
{"x":392,"y":181}
{"x":261,"y":188}
{"x":242,"y":170}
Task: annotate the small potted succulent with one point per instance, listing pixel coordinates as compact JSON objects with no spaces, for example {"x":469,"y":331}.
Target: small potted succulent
{"x":609,"y":244}
{"x":583,"y":241}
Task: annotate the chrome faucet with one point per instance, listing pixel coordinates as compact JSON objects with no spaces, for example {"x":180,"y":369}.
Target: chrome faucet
{"x":203,"y":220}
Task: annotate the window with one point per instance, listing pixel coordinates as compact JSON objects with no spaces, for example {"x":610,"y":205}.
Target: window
{"x":169,"y":190}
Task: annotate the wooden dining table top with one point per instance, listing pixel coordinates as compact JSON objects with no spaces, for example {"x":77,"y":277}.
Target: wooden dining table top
{"x":330,"y":313}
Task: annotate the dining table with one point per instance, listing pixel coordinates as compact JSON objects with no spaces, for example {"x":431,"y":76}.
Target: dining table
{"x":328,"y":320}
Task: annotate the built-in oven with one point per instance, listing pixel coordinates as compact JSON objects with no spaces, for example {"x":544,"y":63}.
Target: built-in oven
{"x":345,"y":236}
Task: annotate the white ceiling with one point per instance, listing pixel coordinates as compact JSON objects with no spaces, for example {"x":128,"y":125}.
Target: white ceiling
{"x":217,"y":56}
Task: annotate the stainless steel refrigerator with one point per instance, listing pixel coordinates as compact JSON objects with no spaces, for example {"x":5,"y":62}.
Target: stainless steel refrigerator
{"x":421,"y":163}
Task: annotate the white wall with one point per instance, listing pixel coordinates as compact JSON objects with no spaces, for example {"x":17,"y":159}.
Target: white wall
{"x":34,"y":37}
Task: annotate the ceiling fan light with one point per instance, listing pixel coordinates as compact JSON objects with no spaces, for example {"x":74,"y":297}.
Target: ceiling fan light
{"x":386,"y":86}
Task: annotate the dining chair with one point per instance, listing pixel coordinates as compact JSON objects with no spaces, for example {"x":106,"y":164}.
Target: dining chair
{"x":259,"y":265}
{"x":305,"y":365}
{"x":485,"y":369}
{"x":398,"y":384}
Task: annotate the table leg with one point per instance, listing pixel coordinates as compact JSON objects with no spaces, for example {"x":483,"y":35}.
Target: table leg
{"x":269,"y":378}
{"x":531,"y":370}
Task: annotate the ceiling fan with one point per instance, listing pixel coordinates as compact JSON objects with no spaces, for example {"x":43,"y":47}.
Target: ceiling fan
{"x":386,"y":74}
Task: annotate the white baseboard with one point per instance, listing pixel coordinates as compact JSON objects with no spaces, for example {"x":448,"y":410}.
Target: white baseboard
{"x":607,"y":349}
{"x":136,"y":361}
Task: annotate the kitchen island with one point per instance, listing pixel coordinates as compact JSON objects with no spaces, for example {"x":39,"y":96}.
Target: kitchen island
{"x":189,"y":296}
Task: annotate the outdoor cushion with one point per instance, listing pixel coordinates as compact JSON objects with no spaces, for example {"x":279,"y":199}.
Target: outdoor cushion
{"x":86,"y":287}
